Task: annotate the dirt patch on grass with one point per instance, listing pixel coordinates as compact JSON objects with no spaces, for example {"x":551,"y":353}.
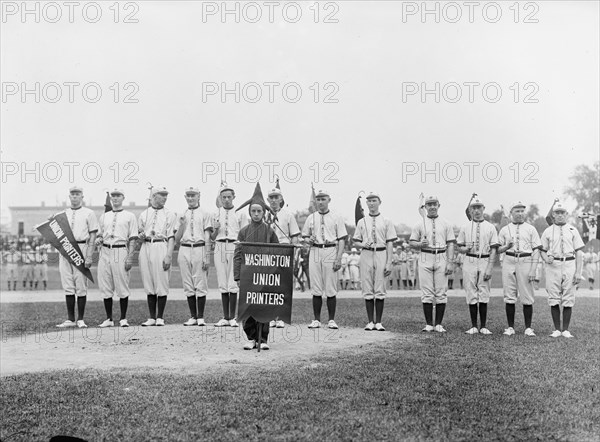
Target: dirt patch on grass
{"x":175,"y":348}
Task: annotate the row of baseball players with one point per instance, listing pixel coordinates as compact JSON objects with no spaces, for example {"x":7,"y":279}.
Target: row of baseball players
{"x":158,"y":229}
{"x":28,"y":266}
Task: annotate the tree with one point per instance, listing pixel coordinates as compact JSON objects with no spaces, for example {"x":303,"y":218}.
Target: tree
{"x":585,"y":187}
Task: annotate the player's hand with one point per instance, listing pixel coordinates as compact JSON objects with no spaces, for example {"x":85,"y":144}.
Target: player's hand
{"x":487,"y":275}
{"x":205,"y":264}
{"x":510,"y":245}
{"x":387,"y":270}
{"x":128,"y":264}
{"x":577,"y":279}
{"x":531,"y":277}
{"x":238,"y":284}
{"x":88,"y":262}
{"x":424,"y":242}
{"x":167,"y":263}
{"x":216,"y":224}
{"x":550,"y":259}
{"x":99,"y":241}
{"x":142,"y":235}
{"x":449,"y":268}
{"x":337,"y":265}
{"x":368,"y":244}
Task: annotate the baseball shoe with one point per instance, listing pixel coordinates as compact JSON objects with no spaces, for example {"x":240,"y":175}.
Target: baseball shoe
{"x":370,"y":326}
{"x":150,"y":322}
{"x":556,"y":334}
{"x":222,"y":323}
{"x":485,"y":331}
{"x":264,"y":346}
{"x":529,"y":332}
{"x":81,"y":324}
{"x":191,"y":321}
{"x":124,"y":323}
{"x":250,"y":345}
{"x":233,"y":323}
{"x":280,"y":324}
{"x":160,"y":322}
{"x":379,"y":327}
{"x":273,"y":324}
{"x":201,"y":322}
{"x":567,"y":334}
{"x":331,"y":324}
{"x":107,"y":323}
{"x":67,"y":324}
{"x":315,"y":324}
{"x":509,"y":331}
{"x":472,"y":331}
{"x":428,"y":328}
{"x":439,"y":328}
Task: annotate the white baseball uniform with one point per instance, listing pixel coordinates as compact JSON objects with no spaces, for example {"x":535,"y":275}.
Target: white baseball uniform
{"x":285,"y":226}
{"x":116,"y":229}
{"x":353,"y":265}
{"x":328,"y":228}
{"x":484,"y":237}
{"x":561,"y":242}
{"x":378,"y":231}
{"x":231,"y":223}
{"x":517,"y":263}
{"x":12,"y":261}
{"x":83,"y":222}
{"x":158,"y":225}
{"x":432,"y":266}
{"x":41,"y":265}
{"x":193,"y":252}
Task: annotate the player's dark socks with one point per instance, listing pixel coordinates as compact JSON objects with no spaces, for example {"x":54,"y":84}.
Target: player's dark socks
{"x":528,"y":315}
{"x":225,"y":303}
{"x":398,"y":283}
{"x":378,"y":310}
{"x":555,"y":312}
{"x":81,"y":301}
{"x":124,"y":303}
{"x":450,"y":285}
{"x":191,"y":300}
{"x":473,"y":313}
{"x":428,"y":311}
{"x":45,"y":285}
{"x":162,"y":303}
{"x":317,"y":302}
{"x":36,"y":285}
{"x":510,"y":314}
{"x":483,"y":313}
{"x":440,"y":309}
{"x":108,"y":303}
{"x":14,"y":285}
{"x":9,"y":286}
{"x":370,"y":305}
{"x":152,"y":300}
{"x":24,"y":285}
{"x":30,"y":285}
{"x":232,"y":304}
{"x":461,"y":284}
{"x":405,"y":284}
{"x":567,"y":317}
{"x":331,"y":304}
{"x":410,"y":284}
{"x":70,"y":307}
{"x":201,"y":304}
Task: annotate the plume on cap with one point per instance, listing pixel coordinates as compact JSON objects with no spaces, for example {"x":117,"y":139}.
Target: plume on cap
{"x":257,"y":198}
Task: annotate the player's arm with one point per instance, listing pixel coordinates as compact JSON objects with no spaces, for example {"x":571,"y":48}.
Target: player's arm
{"x":341,"y":243}
{"x":90,"y":250}
{"x":450,"y":257}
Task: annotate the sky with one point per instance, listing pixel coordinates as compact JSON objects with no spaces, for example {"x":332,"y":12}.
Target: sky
{"x":500,"y":100}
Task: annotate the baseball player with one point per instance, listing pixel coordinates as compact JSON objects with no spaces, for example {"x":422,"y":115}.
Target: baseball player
{"x":353,"y":266}
{"x":589,"y":267}
{"x":434,"y":238}
{"x":157,"y":232}
{"x":344,"y":272}
{"x":41,"y":266}
{"x":376,"y":235}
{"x":403,"y":259}
{"x":521,"y":242}
{"x":193,"y":235}
{"x":117,"y":238}
{"x":28,"y":267}
{"x":458,"y":263}
{"x":11,"y":259}
{"x":84,"y":225}
{"x":326,"y":234}
{"x":478,"y":240}
{"x":283,"y":222}
{"x":562,"y":252}
{"x":227,"y":224}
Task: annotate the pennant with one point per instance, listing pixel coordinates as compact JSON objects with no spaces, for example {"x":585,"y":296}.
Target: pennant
{"x":505,"y":220}
{"x":422,"y":210}
{"x":107,"y":203}
{"x":359,"y":212}
{"x":312,"y":204}
{"x":282,"y":203}
{"x":57,"y":232}
{"x":467,"y":211}
{"x":549,"y":218}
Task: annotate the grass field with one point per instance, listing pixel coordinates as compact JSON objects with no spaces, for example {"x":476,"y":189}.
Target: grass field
{"x":414,"y":387}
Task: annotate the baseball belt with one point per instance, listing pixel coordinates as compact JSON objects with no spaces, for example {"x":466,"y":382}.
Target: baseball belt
{"x":198,"y":244}
{"x":473,"y":255}
{"x":114,"y":246}
{"x":323,"y":246}
{"x":518,"y":254}
{"x":376,"y":249}
{"x":434,"y":251}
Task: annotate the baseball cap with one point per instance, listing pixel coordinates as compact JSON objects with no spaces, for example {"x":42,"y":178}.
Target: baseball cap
{"x":191,"y":189}
{"x":432,"y":199}
{"x":76,"y":189}
{"x":117,"y":191}
{"x":354,"y":249}
{"x":159,"y":189}
{"x":225,"y":187}
{"x":476,"y":202}
{"x":373,"y":195}
{"x":274,"y":192}
{"x":321,"y":193}
{"x":517,"y":204}
{"x":558,"y":207}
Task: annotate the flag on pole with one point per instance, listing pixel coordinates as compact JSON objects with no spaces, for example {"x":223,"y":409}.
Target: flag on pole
{"x":107,"y":203}
{"x":505,"y":220}
{"x":312,"y":204}
{"x":359,"y":212}
{"x":282,"y":203}
{"x":218,"y":200}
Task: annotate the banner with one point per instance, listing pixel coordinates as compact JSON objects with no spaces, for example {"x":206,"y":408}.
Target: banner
{"x":266,"y":282}
{"x":57,"y":231}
